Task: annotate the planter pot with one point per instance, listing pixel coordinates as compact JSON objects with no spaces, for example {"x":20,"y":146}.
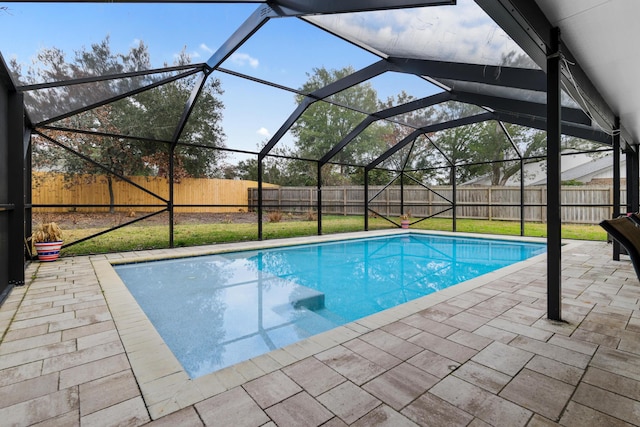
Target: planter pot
{"x":48,"y":251}
{"x":404,"y":223}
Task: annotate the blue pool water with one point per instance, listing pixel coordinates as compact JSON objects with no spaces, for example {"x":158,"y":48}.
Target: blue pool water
{"x":217,"y":310}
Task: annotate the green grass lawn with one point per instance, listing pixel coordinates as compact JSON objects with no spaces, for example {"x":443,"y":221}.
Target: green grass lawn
{"x":152,"y":237}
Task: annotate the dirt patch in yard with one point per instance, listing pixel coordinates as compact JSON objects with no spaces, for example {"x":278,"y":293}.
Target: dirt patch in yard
{"x":75,"y":220}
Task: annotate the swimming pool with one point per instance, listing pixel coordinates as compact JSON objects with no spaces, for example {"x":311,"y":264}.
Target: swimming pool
{"x":217,"y":310}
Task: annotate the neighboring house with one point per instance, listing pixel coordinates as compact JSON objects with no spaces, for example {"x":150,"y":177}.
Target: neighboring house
{"x":575,"y":167}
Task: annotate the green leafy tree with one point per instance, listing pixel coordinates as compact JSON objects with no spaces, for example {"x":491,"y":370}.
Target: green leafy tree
{"x":121,"y":156}
{"x":324,"y":125}
{"x":417,"y":156}
{"x":492,"y":145}
{"x":456,"y":144}
{"x":483,"y":149}
{"x":152,"y":115}
{"x":277,"y":168}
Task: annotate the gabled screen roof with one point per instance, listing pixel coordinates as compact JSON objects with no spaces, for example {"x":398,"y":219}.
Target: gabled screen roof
{"x":462,"y":33}
{"x":455,"y":50}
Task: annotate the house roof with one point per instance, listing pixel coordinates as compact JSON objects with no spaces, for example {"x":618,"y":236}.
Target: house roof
{"x":584,"y":170}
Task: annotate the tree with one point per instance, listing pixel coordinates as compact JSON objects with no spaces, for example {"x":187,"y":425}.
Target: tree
{"x":121,"y":156}
{"x":417,"y":156}
{"x":277,"y":168}
{"x":483,"y":149}
{"x":152,"y":114}
{"x":155,"y":114}
{"x":324,"y":124}
{"x":492,"y":145}
{"x":455,"y":145}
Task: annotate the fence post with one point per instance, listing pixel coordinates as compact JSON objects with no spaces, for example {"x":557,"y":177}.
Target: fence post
{"x":455,"y":200}
{"x":386,"y":195}
{"x":402,"y":193}
{"x":280,"y":199}
{"x":611,"y":198}
{"x":543,"y":198}
{"x":344,"y":201}
{"x":489,"y":202}
{"x":366,"y":199}
{"x":319,"y":196}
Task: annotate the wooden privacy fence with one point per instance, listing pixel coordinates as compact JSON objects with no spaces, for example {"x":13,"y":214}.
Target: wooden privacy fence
{"x":499,"y":203}
{"x":58,"y":189}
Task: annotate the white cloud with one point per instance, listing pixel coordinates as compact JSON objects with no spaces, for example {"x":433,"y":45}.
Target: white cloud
{"x":243,"y":59}
{"x":206,"y":48}
{"x":451,"y":33}
{"x":264,"y":132}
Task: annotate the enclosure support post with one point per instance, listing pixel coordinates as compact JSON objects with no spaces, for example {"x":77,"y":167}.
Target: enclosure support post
{"x":170,"y":204}
{"x":27,"y":179}
{"x":616,"y":180}
{"x":522,"y":218}
{"x":454,"y":199}
{"x":319,"y":199}
{"x":366,"y":199}
{"x":16,"y":170}
{"x":402,"y":212}
{"x":554,"y":243}
{"x":633,"y":195}
{"x":259,"y":197}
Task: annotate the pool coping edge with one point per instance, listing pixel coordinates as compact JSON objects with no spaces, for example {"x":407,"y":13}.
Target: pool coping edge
{"x":164,"y":384}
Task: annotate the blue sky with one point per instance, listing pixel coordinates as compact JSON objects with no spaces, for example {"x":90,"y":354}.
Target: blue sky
{"x":283,"y":51}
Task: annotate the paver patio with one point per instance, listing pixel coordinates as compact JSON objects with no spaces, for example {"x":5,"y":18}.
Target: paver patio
{"x":76,"y":350}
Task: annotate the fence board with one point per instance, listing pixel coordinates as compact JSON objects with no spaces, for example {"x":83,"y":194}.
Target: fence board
{"x":235,"y":195}
{"x":58,"y":189}
{"x":503,"y":203}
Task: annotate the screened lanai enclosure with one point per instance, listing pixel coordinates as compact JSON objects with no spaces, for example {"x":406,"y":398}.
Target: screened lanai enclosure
{"x":140,"y":112}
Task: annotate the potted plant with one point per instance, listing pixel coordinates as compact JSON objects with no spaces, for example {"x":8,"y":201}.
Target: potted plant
{"x":47,"y":238}
{"x":404,"y":220}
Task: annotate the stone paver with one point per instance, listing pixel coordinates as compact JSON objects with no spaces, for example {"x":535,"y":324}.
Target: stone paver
{"x":122,"y":386}
{"x":299,"y":410}
{"x":351,"y":365}
{"x":430,"y":410}
{"x":187,"y":417}
{"x":577,"y":415}
{"x":503,"y":358}
{"x":609,"y":403}
{"x":231,"y":408}
{"x":129,"y":412}
{"x":400,"y":385}
{"x":444,"y":347}
{"x":348,"y":401}
{"x":383,"y":416}
{"x":613,"y":382}
{"x":482,"y":376}
{"x":271,"y":389}
{"x":558,"y":370}
{"x":76,"y":351}
{"x":433,"y":363}
{"x":314,"y":376}
{"x":539,"y":393}
{"x":481,"y":403}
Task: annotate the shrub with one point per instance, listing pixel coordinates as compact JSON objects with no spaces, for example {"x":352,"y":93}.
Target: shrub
{"x":310,"y":215}
{"x":274,"y":216}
